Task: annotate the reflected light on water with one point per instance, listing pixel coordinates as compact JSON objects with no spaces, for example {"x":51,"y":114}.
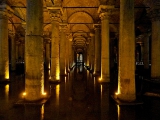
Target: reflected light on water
{"x":101,"y":91}
{"x":42,"y":112}
{"x":49,"y":74}
{"x":7,"y":91}
{"x":57,"y":94}
{"x":118,"y":110}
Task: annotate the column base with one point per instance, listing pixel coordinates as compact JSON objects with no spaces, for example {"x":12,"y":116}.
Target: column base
{"x":104,"y":79}
{"x":23,"y":101}
{"x":54,"y":81}
{"x":4,"y":81}
{"x":122,"y":102}
{"x":126,"y":98}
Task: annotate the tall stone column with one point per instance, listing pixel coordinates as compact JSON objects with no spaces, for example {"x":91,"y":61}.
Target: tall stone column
{"x":4,"y":53}
{"x":13,"y":52}
{"x":55,"y":55}
{"x":67,"y":54}
{"x":92,"y":51}
{"x":155,"y":48}
{"x":70,"y":54}
{"x":146,"y":52}
{"x":34,"y":69}
{"x":97,"y":61}
{"x":105,"y":11}
{"x":63,"y":49}
{"x":126,"y":66}
{"x":48,"y":53}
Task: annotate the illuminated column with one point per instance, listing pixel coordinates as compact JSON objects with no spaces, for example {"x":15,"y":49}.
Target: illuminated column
{"x":67,"y":55}
{"x":92,"y":51}
{"x":13,"y":52}
{"x":34,"y":69}
{"x":4,"y":54}
{"x":48,"y":53}
{"x":104,"y":12}
{"x":126,"y":66}
{"x":55,"y":66}
{"x":88,"y":48}
{"x":146,"y":52}
{"x":97,"y":61}
{"x":155,"y":48}
{"x":63,"y":49}
{"x":70,"y":54}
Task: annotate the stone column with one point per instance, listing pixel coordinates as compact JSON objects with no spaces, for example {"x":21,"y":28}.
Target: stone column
{"x":63,"y":49}
{"x":126,"y":66}
{"x":70,"y":54}
{"x":48,"y":53}
{"x":13,"y":53}
{"x":146,"y":52}
{"x":34,"y":69}
{"x":67,"y":55}
{"x":92,"y":44}
{"x":55,"y":65}
{"x":155,"y":48}
{"x":97,"y":61}
{"x":88,"y":49}
{"x":105,"y":11}
{"x":4,"y":53}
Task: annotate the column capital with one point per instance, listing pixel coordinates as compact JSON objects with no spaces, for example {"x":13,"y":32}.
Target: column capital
{"x":105,"y":11}
{"x":47,"y":40}
{"x":96,"y":26}
{"x":55,"y":13}
{"x":63,"y":27}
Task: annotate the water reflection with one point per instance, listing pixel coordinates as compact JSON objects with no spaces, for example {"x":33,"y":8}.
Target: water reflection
{"x":34,"y":112}
{"x":7,"y":92}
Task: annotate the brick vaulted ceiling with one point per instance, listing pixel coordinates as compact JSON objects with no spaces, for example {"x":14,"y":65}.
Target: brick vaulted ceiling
{"x":80,"y":16}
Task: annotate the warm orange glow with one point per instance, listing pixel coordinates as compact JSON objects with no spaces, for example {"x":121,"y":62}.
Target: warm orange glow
{"x":57,"y":73}
{"x":42,"y":112}
{"x":100,"y":79}
{"x":24,"y":94}
{"x":7,"y":91}
{"x":116,"y":93}
{"x":44,"y":93}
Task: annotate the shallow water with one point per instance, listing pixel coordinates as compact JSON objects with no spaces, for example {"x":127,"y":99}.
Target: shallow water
{"x":79,"y":96}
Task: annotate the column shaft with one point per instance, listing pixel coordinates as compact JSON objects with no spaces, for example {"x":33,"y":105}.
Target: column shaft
{"x":146,"y":52}
{"x":4,"y":54}
{"x":97,"y":61}
{"x":63,"y":51}
{"x":34,"y":69}
{"x":105,"y":65}
{"x":155,"y":54}
{"x":13,"y":53}
{"x":126,"y":68}
{"x":48,"y":55}
{"x":55,"y":67}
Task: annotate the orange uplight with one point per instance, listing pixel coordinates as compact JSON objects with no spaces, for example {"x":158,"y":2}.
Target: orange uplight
{"x":44,"y":93}
{"x":24,"y":94}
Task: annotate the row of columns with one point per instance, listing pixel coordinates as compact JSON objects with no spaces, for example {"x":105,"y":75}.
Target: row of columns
{"x":34,"y":85}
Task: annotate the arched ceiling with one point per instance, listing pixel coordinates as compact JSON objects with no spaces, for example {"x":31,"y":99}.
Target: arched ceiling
{"x":80,"y":15}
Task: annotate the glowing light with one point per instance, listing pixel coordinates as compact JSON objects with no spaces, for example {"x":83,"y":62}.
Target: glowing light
{"x":57,"y":74}
{"x":7,"y":91}
{"x":57,"y":94}
{"x":24,"y":93}
{"x":7,"y":74}
{"x":100,"y":79}
{"x":116,"y":93}
{"x":118,"y":110}
{"x":42,"y":112}
{"x":44,"y":93}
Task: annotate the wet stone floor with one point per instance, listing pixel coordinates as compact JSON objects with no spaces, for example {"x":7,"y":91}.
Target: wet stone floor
{"x":79,"y":96}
